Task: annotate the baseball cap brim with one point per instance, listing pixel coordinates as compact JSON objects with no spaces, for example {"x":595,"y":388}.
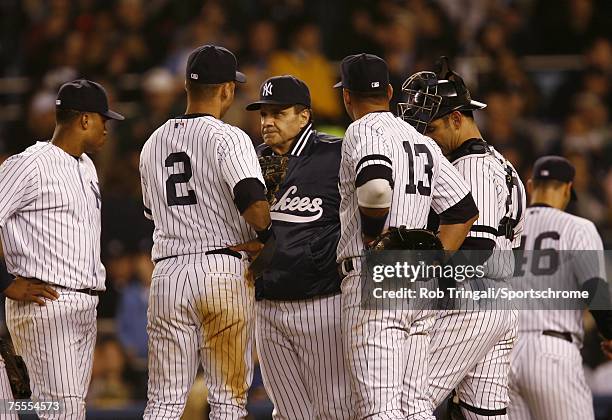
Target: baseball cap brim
{"x":113,"y":115}
{"x":254,"y":106}
{"x":240,"y":77}
{"x":476,"y":105}
{"x":338,"y":85}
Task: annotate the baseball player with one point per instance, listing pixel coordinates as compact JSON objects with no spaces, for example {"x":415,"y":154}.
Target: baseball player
{"x":546,"y":377}
{"x":470,"y":348}
{"x":298,"y":334}
{"x":50,"y":230}
{"x":202,"y":187}
{"x":390,"y":175}
{"x":23,"y":290}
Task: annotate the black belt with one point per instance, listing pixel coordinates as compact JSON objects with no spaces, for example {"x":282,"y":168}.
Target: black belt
{"x":562,"y":335}
{"x":348,"y":267}
{"x":221,"y":251}
{"x":90,"y":292}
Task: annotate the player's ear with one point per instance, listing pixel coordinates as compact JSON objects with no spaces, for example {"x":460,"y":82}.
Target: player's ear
{"x":346,"y":96}
{"x":456,"y":119}
{"x":389,"y":92}
{"x":304,"y":117}
{"x":529,"y":186}
{"x":84,"y":120}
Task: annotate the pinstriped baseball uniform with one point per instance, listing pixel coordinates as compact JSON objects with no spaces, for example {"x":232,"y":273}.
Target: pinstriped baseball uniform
{"x":387,"y":350}
{"x":470,"y":348}
{"x":547,"y":379}
{"x":5,"y":390}
{"x":50,"y":230}
{"x":201,"y":308}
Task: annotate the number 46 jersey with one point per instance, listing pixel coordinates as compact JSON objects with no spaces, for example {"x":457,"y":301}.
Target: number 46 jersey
{"x":188,"y":168}
{"x":423,"y":178}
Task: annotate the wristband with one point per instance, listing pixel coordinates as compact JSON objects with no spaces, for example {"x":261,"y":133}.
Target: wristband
{"x":372,"y":226}
{"x":264,"y":234}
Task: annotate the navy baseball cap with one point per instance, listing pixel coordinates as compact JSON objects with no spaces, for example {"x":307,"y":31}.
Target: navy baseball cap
{"x":282,"y":90}
{"x":85,"y":96}
{"x":554,"y":168}
{"x":210,"y":65}
{"x":364,"y":73}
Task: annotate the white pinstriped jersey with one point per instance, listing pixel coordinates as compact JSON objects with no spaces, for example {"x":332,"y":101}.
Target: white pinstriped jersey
{"x":486,"y":176}
{"x":189,"y":167}
{"x":50,"y":217}
{"x":546,"y":228}
{"x":422,"y":176}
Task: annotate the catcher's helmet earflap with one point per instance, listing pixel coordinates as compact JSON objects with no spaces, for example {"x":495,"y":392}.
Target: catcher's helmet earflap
{"x":429,"y":96}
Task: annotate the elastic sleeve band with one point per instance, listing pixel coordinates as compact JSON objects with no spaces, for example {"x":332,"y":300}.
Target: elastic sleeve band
{"x":248,"y":191}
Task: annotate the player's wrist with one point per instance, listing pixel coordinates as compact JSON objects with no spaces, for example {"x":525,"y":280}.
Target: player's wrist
{"x":265,"y":234}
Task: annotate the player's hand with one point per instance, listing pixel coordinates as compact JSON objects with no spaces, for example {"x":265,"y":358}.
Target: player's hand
{"x":252,"y":248}
{"x":606,"y":348}
{"x":30,"y":290}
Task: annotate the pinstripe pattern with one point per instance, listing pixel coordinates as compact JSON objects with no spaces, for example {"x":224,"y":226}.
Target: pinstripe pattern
{"x":383,"y":134}
{"x":56,"y":342}
{"x":50,"y":230}
{"x":303,"y":368}
{"x":386,"y":351}
{"x":386,"y":354}
{"x":575,"y":235}
{"x":201,"y":311}
{"x":221,"y":155}
{"x":547,"y":379}
{"x":470,"y":348}
{"x":486,"y":176}
{"x":5,"y":391}
{"x":50,"y":217}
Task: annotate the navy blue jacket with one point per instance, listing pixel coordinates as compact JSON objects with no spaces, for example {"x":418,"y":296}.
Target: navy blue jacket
{"x":306,"y":222}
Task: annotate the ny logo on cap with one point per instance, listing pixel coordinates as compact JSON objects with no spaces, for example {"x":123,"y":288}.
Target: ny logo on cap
{"x":194,"y":76}
{"x":375,"y":84}
{"x":267,"y":89}
{"x":544,"y":172}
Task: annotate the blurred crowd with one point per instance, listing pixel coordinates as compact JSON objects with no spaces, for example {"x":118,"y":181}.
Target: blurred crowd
{"x":543,"y":67}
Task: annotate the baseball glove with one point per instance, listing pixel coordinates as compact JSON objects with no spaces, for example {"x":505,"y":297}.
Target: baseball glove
{"x":407,"y":239}
{"x":16,"y":371}
{"x":274,"y":169}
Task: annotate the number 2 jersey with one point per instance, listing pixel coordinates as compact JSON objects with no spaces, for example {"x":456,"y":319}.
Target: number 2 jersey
{"x":189,"y":168}
{"x":422,"y":177}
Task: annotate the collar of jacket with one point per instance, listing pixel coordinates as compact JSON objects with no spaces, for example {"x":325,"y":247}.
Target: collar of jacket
{"x":301,"y":140}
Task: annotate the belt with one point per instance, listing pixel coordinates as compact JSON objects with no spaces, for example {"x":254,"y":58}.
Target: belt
{"x":90,"y":292}
{"x":220,"y":251}
{"x":345,"y":267}
{"x":562,"y":335}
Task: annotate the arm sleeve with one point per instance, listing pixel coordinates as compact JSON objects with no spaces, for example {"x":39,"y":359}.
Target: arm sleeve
{"x":487,"y":193}
{"x":19,"y":186}
{"x":237,"y":158}
{"x":449,"y":186}
{"x":587,"y":253}
{"x":370,"y":153}
{"x":146,"y":201}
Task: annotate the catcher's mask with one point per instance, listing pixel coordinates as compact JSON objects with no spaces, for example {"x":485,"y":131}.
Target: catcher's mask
{"x":430,"y":96}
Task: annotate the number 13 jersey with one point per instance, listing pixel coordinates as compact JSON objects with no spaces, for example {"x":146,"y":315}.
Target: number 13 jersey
{"x":188,"y":168}
{"x":422,"y":177}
